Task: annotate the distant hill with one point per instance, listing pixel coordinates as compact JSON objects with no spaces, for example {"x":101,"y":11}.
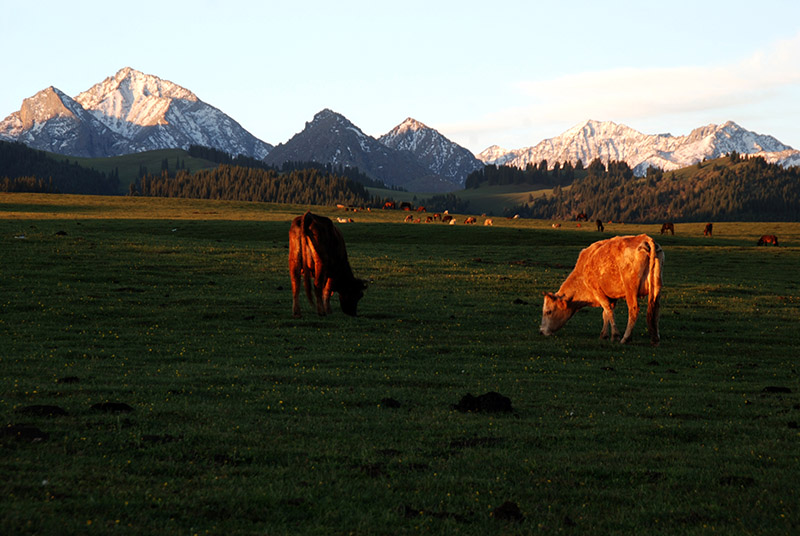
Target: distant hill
{"x":21,"y":165}
{"x":732,"y":188}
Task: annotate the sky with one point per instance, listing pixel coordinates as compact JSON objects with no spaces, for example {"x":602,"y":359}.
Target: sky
{"x":507,"y":73}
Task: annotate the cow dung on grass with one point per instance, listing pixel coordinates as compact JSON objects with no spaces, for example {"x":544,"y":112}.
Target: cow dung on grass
{"x":491,"y":402}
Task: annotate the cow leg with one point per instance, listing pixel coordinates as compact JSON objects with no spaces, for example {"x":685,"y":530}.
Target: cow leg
{"x":326,"y":296}
{"x":633,"y":314}
{"x":295,"y":276}
{"x":608,"y":320}
{"x":320,"y":283}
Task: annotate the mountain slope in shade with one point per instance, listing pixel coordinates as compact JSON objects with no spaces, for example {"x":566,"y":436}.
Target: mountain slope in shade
{"x":330,"y":138}
{"x":127,"y":113}
{"x":440,"y":155}
{"x":610,"y":141}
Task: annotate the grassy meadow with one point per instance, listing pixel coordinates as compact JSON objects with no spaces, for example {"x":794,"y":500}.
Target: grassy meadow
{"x":153,"y":380}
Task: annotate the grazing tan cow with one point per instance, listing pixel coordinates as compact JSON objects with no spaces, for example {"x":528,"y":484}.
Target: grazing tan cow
{"x":316,"y":249}
{"x":620,"y":267}
{"x":488,"y":222}
{"x":768,"y":239}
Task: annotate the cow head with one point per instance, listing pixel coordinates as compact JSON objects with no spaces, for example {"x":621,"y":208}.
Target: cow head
{"x":349,"y":296}
{"x":555,"y":313}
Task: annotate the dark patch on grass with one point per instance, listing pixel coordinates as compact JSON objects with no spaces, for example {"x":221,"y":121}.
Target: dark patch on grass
{"x":390,"y":403}
{"x":158,"y":439}
{"x":409,"y":512}
{"x":112,"y":407}
{"x":472,"y":442}
{"x":491,"y":402}
{"x":25,"y":432}
{"x":41,"y":410}
{"x":68,"y":379}
{"x":775,"y":389}
{"x":508,"y":511}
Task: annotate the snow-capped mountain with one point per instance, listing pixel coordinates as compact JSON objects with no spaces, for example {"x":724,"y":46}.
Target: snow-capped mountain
{"x":52,"y":121}
{"x":126,"y":113}
{"x":332,"y":138}
{"x":609,"y":141}
{"x":440,"y":155}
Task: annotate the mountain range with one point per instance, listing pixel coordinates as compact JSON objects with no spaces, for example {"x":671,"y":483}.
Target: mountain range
{"x":609,"y":141}
{"x":132,"y":112}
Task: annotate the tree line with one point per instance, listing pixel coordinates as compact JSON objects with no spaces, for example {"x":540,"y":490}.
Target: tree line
{"x":23,"y":169}
{"x":732,"y":188}
{"x":561,"y":174}
{"x":308,"y":186}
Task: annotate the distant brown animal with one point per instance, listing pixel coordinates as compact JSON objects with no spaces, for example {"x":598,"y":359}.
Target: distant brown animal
{"x":316,"y":249}
{"x":405,"y":205}
{"x":388,"y":204}
{"x":488,"y":222}
{"x":709,"y":228}
{"x":621,"y":267}
{"x":668,"y":226}
{"x":437,"y":216}
{"x":421,"y":209}
{"x":470,"y":219}
{"x":600,"y":226}
{"x":429,"y":219}
{"x":446,"y":218}
{"x":556,"y":225}
{"x":582,"y":217}
{"x":409,"y":218}
{"x":768,"y":239}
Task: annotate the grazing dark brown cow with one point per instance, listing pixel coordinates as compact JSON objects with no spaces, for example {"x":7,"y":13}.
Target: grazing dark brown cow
{"x":768,"y":239}
{"x":582,"y":217}
{"x":316,"y":249}
{"x":668,"y":226}
{"x":446,"y":218}
{"x":621,"y":267}
{"x":708,"y":230}
{"x":600,"y":226}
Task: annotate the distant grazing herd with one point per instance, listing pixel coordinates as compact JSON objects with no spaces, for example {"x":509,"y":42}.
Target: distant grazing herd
{"x":622,"y":267}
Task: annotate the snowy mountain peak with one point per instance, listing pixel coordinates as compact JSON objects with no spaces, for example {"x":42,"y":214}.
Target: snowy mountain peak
{"x":126,"y":113}
{"x":610,"y":141}
{"x":46,"y":104}
{"x":410,"y":124}
{"x":440,"y":155}
{"x":133,"y":98}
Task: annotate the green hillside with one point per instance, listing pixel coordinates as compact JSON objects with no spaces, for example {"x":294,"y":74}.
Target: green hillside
{"x":130,"y":165}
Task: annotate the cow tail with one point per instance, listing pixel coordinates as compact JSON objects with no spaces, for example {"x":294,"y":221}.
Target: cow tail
{"x":654,"y":289}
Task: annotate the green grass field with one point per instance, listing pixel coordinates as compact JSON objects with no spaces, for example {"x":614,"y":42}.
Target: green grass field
{"x":244,"y":420}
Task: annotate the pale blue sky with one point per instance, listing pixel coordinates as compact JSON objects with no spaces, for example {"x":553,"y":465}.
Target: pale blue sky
{"x":509,"y":73}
